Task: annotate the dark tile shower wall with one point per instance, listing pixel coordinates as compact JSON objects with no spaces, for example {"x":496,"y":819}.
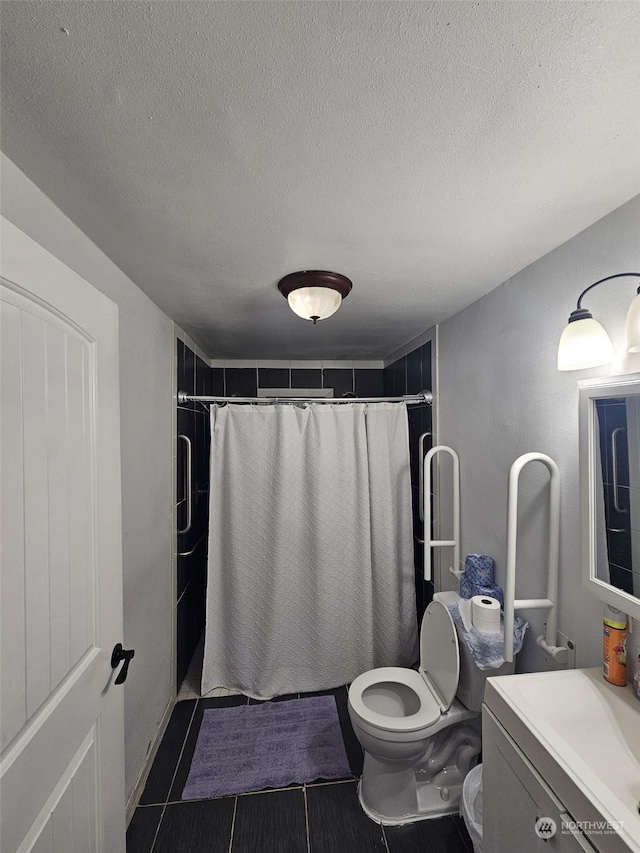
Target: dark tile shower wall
{"x":410,"y":375}
{"x":245,"y":381}
{"x":194,"y":377}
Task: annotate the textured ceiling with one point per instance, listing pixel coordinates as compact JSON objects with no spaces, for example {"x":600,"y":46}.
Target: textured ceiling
{"x":427,"y":150}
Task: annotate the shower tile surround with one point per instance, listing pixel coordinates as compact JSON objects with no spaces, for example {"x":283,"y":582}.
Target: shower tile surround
{"x":248,"y":381}
{"x":318,"y":817}
{"x":408,"y":374}
{"x":194,"y":377}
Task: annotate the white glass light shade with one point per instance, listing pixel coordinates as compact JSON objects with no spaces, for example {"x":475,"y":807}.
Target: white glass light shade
{"x":632,"y":333}
{"x":584,"y":343}
{"x":318,"y":302}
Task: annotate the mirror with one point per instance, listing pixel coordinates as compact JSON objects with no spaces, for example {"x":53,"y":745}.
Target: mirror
{"x":610,"y":489}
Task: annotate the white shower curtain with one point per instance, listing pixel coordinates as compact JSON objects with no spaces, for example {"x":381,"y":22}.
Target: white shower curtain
{"x":310,"y":578}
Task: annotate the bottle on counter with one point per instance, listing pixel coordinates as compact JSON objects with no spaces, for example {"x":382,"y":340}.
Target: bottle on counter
{"x":614,"y":656}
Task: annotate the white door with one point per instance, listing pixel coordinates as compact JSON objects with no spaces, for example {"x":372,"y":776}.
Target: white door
{"x":62,"y":747}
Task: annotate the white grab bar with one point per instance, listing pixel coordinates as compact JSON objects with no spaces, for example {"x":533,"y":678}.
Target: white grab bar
{"x":430,"y":543}
{"x":187,"y":484}
{"x":421,"y":474}
{"x":511,"y":604}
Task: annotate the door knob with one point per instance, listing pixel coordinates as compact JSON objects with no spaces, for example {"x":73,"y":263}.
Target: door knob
{"x":117,"y":656}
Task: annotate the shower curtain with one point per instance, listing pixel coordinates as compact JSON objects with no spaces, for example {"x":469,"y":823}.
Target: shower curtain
{"x":310,"y":574}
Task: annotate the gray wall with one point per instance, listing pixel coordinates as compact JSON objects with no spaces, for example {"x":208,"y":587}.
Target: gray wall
{"x":500,"y":396}
{"x":146,"y":435}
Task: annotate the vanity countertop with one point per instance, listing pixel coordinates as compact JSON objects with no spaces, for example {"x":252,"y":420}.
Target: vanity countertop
{"x":583,"y":736}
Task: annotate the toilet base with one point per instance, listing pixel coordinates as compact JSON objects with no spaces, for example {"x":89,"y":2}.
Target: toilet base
{"x":397,"y":792}
{"x":394,"y":821}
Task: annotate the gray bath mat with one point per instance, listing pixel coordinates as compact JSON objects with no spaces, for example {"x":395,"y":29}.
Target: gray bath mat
{"x":272,"y":745}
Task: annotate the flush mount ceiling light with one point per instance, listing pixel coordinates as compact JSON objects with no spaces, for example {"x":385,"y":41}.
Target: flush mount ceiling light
{"x":584,"y":342}
{"x":314,"y":294}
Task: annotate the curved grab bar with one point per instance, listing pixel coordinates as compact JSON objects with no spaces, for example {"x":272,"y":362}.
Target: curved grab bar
{"x":430,"y":543}
{"x":187,"y":485}
{"x":614,"y":472}
{"x":511,"y":604}
{"x":421,"y":475}
{"x":193,"y":550}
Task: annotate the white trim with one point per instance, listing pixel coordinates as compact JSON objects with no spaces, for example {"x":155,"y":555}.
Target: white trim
{"x":295,"y":392}
{"x":284,"y":364}
{"x":141,"y":781}
{"x":306,"y":365}
{"x":588,"y":391}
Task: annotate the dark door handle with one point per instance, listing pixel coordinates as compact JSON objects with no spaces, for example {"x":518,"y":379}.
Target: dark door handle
{"x":117,"y":656}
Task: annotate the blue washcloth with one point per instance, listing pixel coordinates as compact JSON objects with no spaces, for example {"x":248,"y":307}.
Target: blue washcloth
{"x":488,"y":649}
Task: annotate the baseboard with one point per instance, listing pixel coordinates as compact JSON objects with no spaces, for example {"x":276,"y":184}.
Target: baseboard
{"x":138,"y":788}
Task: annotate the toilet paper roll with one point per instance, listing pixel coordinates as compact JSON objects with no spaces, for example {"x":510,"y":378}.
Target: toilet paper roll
{"x":492,"y":591}
{"x":485,"y":614}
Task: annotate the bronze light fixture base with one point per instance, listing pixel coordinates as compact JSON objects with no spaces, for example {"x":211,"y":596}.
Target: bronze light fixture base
{"x":314,"y":279}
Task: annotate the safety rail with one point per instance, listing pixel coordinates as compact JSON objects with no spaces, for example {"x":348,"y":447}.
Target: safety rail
{"x":511,"y":604}
{"x":430,"y":543}
{"x":187,"y":484}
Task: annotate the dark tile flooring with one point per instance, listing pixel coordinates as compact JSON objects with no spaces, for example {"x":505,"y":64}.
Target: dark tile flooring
{"x":320,"y":817}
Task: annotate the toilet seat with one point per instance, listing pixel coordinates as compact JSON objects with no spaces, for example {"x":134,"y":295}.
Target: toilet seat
{"x":426,"y":715}
{"x":433,"y":686}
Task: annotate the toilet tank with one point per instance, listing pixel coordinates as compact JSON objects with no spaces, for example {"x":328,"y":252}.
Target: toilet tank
{"x":472,"y":679}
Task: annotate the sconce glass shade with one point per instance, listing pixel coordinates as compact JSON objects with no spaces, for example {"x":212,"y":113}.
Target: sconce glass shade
{"x":632,"y":332}
{"x":626,"y":362}
{"x":314,"y":294}
{"x":310,"y":302}
{"x":584,"y":343}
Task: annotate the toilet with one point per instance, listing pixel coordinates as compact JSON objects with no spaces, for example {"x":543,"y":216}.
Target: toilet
{"x":420,"y":730}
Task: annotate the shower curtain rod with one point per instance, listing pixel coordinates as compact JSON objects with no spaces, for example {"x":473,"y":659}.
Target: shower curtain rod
{"x":422,"y":397}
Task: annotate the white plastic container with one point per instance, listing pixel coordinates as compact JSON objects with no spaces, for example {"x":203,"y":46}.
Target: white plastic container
{"x":471,"y":806}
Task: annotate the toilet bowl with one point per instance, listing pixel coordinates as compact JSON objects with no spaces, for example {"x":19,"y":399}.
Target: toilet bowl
{"x":419,"y":740}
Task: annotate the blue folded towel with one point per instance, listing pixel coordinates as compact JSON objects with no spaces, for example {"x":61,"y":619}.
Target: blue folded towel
{"x":477,"y":578}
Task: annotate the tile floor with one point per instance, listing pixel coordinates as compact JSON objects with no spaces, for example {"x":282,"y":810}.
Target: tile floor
{"x":320,"y":817}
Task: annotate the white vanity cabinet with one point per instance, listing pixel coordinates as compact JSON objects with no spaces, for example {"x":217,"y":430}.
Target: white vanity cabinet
{"x":516,"y":798}
{"x":564,"y":746}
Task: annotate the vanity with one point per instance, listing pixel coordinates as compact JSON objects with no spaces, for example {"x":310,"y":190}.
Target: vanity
{"x":561,"y":746}
{"x":561,"y":750}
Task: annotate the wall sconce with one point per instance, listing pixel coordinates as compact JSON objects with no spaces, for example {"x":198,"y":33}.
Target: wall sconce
{"x":314,"y":294}
{"x":584,"y":342}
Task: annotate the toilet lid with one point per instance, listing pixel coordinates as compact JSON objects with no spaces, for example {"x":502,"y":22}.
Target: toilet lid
{"x":439,"y":653}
